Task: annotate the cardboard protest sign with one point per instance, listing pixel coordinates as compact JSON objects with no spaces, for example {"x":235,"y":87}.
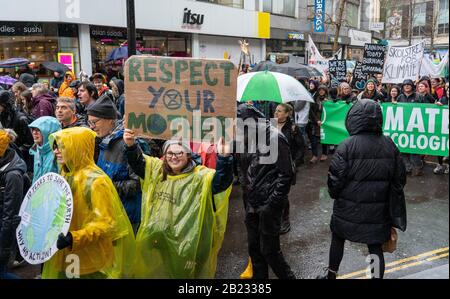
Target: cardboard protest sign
{"x":373,"y":59}
{"x":338,"y":70}
{"x":403,"y":63}
{"x":170,"y":97}
{"x":359,"y":78}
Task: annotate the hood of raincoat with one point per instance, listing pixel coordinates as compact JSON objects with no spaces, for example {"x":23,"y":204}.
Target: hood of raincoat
{"x":365,"y":117}
{"x":47,"y":125}
{"x":72,"y":75}
{"x":45,"y":97}
{"x":77,"y":147}
{"x":103,"y":238}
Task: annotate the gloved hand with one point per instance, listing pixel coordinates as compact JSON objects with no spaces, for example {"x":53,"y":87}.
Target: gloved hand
{"x":64,"y":241}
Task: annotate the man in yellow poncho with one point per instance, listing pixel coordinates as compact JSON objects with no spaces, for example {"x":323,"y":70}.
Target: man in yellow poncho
{"x":100,"y":235}
{"x":184,"y":211}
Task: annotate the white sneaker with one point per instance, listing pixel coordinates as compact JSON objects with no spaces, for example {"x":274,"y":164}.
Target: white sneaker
{"x":439,"y":169}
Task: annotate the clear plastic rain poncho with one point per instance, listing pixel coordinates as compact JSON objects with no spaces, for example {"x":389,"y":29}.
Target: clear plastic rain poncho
{"x":180,"y":233}
{"x":103,"y":239}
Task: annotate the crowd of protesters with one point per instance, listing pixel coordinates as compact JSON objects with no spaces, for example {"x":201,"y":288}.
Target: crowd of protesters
{"x":75,"y":127}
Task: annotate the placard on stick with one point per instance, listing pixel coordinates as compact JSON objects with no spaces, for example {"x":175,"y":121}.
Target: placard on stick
{"x":338,"y":70}
{"x":170,"y":97}
{"x":373,"y":59}
{"x":359,"y":78}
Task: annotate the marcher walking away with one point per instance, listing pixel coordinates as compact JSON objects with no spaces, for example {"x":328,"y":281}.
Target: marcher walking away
{"x":100,"y":234}
{"x":266,"y":188}
{"x":366,"y":179}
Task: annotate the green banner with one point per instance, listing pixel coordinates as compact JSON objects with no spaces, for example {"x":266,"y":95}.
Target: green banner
{"x":414,"y":128}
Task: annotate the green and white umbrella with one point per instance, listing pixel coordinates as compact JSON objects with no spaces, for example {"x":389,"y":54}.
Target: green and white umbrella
{"x":271,"y":86}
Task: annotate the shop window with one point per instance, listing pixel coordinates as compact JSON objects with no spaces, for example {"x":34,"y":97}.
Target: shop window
{"x":352,"y":13}
{"x":38,"y":42}
{"x":443,"y":29}
{"x":280,"y":7}
{"x":443,"y":17}
{"x":231,"y":3}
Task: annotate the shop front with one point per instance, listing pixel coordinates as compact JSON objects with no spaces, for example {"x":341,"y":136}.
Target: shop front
{"x":355,"y":51}
{"x":289,"y":42}
{"x":38,"y":42}
{"x":105,"y":40}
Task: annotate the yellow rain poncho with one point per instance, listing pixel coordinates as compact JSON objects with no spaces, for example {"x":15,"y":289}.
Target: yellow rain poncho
{"x":180,"y":233}
{"x":103,"y":239}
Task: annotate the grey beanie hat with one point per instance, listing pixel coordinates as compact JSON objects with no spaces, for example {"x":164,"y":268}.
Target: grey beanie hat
{"x":170,"y":142}
{"x":103,"y":108}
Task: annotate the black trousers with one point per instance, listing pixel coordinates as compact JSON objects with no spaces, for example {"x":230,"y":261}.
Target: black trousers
{"x":263,"y":232}
{"x":337,"y":253}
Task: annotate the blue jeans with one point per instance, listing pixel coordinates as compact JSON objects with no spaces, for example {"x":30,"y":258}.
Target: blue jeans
{"x":412,"y":161}
{"x":4,"y":274}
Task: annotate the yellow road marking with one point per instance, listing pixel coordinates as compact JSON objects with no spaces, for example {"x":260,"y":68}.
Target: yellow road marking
{"x":416,"y":257}
{"x":437,"y":257}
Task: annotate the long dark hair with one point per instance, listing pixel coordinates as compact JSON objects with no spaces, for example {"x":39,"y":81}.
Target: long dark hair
{"x":399,"y":91}
{"x":28,"y":107}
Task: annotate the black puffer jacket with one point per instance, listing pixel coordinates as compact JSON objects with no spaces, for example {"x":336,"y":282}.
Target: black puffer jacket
{"x":12,"y":172}
{"x":366,"y":174}
{"x":266,"y":182}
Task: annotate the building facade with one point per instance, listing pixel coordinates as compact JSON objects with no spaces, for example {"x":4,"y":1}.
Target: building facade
{"x":90,"y":30}
{"x":423,"y":20}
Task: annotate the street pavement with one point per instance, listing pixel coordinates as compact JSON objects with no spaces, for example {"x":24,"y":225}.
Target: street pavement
{"x":422,"y":247}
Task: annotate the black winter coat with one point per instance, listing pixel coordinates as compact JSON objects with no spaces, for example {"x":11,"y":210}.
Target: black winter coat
{"x":11,"y":195}
{"x":294,"y":137}
{"x":366,"y":179}
{"x":266,"y":184}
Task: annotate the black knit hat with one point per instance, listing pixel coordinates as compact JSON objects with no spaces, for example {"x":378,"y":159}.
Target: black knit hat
{"x":103,"y":108}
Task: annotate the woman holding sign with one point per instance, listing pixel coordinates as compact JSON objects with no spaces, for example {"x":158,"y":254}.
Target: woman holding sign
{"x":100,"y":242}
{"x":184,"y":211}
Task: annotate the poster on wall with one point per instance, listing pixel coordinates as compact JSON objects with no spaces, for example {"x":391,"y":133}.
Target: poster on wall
{"x":67,"y":60}
{"x":403,"y":63}
{"x":394,"y":24}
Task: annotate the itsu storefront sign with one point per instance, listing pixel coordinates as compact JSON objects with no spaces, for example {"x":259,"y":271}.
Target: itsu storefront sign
{"x":171,"y":97}
{"x":192,"y":20}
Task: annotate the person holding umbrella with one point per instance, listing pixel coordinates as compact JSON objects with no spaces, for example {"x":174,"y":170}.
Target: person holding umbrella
{"x":56,"y":81}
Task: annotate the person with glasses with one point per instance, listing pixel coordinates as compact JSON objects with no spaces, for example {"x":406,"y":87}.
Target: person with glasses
{"x":103,"y":120}
{"x":100,"y":235}
{"x":185,"y":209}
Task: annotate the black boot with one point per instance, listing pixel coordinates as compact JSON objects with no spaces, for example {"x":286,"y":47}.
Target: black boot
{"x":329,"y":274}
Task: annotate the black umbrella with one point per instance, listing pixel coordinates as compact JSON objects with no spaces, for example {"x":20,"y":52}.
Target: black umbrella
{"x":55,"y":66}
{"x":291,"y":68}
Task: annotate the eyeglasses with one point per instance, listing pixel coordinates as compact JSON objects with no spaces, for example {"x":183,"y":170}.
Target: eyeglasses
{"x":170,"y":155}
{"x":93,"y":123}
